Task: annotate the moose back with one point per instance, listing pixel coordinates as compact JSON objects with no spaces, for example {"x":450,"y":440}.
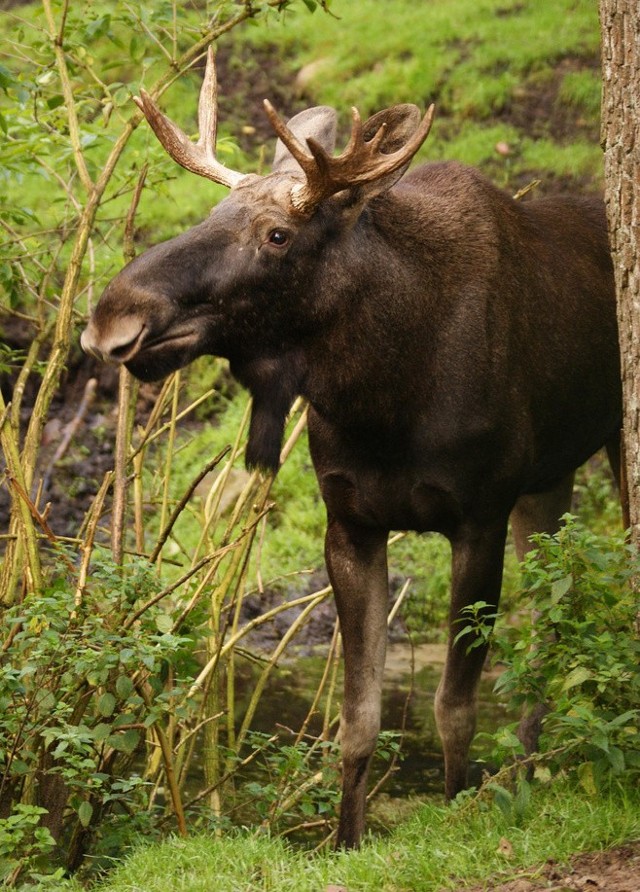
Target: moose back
{"x":458,"y":350}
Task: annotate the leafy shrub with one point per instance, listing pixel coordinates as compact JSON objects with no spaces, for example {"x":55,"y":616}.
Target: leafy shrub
{"x":581,"y":655}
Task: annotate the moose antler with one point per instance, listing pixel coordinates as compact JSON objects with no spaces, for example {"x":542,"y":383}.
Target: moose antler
{"x":199,"y":157}
{"x":361,"y":162}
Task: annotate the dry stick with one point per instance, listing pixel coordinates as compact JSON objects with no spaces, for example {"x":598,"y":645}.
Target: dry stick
{"x":212,"y":503}
{"x":127,"y":391}
{"x":137,"y":459}
{"x":214,"y":641}
{"x":167,"y":758}
{"x":87,"y":546}
{"x":327,"y":671}
{"x":237,"y":596}
{"x":9,"y":443}
{"x":185,"y":746}
{"x":128,"y":247}
{"x":126,"y":388}
{"x":280,"y":805}
{"x":138,"y":501}
{"x":322,"y":594}
{"x":195,"y":729}
{"x":25,"y":372}
{"x":57,"y":37}
{"x":275,"y":656}
{"x":210,"y":558}
{"x":177,"y":511}
{"x":328,"y":721}
{"x":146,"y":436}
{"x":164,"y":507}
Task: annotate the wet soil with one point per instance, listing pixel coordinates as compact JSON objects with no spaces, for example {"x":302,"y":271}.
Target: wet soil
{"x":615,"y":870}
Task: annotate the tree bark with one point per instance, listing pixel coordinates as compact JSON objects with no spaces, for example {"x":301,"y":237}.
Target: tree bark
{"x":620,"y":24}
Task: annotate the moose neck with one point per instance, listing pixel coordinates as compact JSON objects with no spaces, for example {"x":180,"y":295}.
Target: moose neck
{"x":368,"y":344}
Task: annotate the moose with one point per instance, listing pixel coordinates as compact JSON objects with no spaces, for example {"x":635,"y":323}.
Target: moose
{"x":457,"y":349}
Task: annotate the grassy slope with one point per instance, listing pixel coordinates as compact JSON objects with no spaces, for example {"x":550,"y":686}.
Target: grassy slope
{"x":498,"y":70}
{"x":434,"y":850}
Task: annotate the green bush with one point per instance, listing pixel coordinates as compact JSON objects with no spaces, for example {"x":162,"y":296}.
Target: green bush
{"x":581,"y":654}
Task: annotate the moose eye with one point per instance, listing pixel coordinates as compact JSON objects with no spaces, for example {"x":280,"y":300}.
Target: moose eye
{"x":278,"y":237}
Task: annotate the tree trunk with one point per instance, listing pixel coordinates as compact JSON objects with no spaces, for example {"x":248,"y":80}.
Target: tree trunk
{"x":620,"y":21}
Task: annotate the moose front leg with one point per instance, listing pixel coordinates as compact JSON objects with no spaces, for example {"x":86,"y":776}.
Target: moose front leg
{"x":357,"y":564}
{"x":477,"y":560}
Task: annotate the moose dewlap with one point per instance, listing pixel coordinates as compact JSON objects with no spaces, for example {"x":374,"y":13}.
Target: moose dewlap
{"x":458,"y":350}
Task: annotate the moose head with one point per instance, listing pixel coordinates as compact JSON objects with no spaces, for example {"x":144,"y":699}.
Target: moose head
{"x":458,"y":350}
{"x":236,"y":285}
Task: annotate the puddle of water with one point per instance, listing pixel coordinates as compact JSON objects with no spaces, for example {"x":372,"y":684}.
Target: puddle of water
{"x":289,"y":694}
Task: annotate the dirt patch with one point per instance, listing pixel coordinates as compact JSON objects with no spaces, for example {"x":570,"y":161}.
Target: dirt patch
{"x":616,"y":870}
{"x":539,"y":109}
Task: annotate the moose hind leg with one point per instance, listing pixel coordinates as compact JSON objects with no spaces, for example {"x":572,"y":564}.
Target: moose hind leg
{"x":477,"y":560}
{"x":539,"y":513}
{"x":357,"y":565}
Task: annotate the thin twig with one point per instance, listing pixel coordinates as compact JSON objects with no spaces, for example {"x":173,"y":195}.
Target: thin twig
{"x":128,"y":247}
{"x":177,"y":511}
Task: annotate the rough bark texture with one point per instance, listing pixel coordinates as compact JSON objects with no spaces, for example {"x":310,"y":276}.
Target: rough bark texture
{"x":620,"y":20}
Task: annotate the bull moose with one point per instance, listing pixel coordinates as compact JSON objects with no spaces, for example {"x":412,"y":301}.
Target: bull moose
{"x":457,"y":348}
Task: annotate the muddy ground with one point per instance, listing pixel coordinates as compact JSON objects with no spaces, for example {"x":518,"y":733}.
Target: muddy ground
{"x":616,"y":870}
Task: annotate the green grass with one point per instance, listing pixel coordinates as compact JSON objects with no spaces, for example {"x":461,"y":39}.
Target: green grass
{"x":478,"y":61}
{"x":437,"y":848}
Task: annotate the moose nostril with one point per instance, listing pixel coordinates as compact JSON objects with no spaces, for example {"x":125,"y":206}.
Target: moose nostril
{"x":120,"y":343}
{"x":89,"y":346}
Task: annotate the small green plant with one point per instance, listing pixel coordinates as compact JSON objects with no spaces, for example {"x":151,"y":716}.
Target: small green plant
{"x":478,"y":619}
{"x":581,"y":655}
{"x":24,"y":841}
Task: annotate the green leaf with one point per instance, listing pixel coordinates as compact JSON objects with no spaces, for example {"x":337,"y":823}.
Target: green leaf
{"x":560,"y":588}
{"x":502,"y":798}
{"x":6,"y":78}
{"x":85,"y":812}
{"x":129,"y":740}
{"x":616,"y":759}
{"x":106,"y":704}
{"x":586,"y":778}
{"x":576,"y":677}
{"x":164,"y":623}
{"x":124,"y":686}
{"x":101,"y":731}
{"x":125,"y":742}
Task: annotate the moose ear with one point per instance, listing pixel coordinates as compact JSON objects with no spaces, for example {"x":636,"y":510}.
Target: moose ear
{"x":319,"y":123}
{"x":401,"y":122}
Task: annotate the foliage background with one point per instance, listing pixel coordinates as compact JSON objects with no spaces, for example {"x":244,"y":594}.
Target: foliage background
{"x":123,"y":628}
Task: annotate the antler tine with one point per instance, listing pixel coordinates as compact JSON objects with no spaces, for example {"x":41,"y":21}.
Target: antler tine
{"x":361,"y":161}
{"x":289,"y":139}
{"x":208,"y":106}
{"x":199,"y":157}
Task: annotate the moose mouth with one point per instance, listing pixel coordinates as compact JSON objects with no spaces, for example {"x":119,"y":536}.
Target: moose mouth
{"x":157,"y":357}
{"x":146,"y":356}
